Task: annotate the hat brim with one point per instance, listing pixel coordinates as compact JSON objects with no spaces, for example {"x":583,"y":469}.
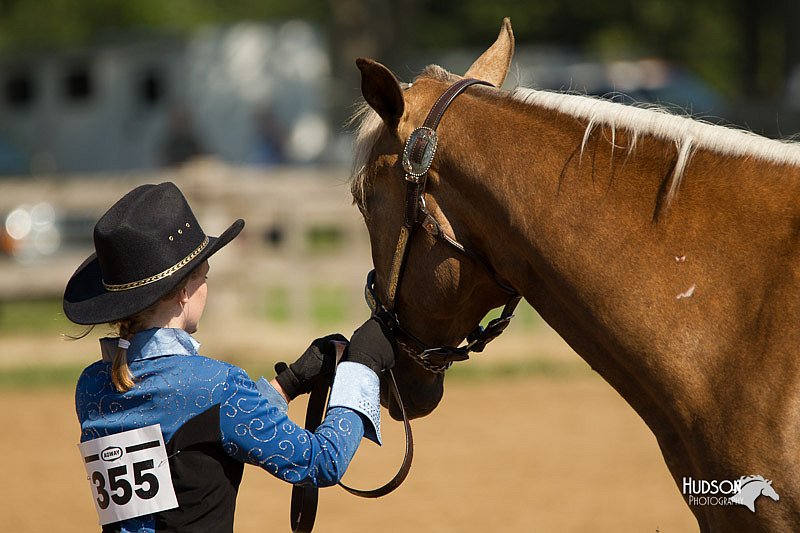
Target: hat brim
{"x":86,"y":301}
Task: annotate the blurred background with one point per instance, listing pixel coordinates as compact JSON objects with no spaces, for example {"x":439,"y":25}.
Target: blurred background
{"x":99,"y":95}
{"x":104,"y":86}
{"x":245,"y":105}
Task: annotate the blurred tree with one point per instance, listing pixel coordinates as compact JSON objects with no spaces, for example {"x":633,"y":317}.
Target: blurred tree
{"x":55,"y":23}
{"x":771,"y":47}
{"x":366,"y":28}
{"x":742,"y":47}
{"x":791,"y":21}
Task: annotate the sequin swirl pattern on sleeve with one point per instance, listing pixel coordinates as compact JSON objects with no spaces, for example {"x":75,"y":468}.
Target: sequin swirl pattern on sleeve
{"x":256,"y":430}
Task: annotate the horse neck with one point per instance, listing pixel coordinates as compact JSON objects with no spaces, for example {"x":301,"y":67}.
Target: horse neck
{"x":686,"y":308}
{"x":643,"y":288}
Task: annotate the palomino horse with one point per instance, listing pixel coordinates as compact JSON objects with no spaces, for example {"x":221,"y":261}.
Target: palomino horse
{"x":664,"y":250}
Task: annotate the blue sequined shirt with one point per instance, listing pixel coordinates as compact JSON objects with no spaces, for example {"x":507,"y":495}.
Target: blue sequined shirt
{"x":174,"y":384}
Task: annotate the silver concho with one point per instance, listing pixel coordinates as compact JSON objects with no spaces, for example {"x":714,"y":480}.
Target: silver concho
{"x":422,"y":141}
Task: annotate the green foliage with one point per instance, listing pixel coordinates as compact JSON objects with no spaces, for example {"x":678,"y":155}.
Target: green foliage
{"x":525,"y":317}
{"x":535,"y":366}
{"x":277,"y":305}
{"x":708,"y":37}
{"x":58,"y":23}
{"x":738,"y":46}
{"x":40,"y":316}
{"x":39,"y":377}
{"x":328,"y":306}
{"x":324,"y":239}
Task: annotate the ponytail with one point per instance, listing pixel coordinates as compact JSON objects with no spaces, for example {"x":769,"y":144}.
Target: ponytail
{"x":121,"y":374}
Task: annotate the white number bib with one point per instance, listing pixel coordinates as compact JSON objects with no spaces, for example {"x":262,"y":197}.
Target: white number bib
{"x":129,"y":474}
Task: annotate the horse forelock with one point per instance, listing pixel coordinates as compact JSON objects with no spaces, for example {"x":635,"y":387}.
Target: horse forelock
{"x":368,"y":126}
{"x":368,"y":130}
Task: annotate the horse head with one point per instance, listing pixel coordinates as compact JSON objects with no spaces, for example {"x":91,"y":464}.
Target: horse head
{"x":768,"y":491}
{"x":750,"y":488}
{"x":443,"y":294}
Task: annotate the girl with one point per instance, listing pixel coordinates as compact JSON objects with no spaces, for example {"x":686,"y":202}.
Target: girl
{"x":165,"y":432}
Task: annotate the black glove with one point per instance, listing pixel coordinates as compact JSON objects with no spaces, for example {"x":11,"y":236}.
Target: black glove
{"x":318,"y":361}
{"x":371,"y":346}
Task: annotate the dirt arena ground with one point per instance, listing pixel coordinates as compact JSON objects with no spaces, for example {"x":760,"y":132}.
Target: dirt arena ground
{"x":549,"y":448}
{"x":517,"y":454}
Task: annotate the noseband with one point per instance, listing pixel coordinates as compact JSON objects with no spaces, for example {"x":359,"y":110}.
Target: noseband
{"x":418,"y":154}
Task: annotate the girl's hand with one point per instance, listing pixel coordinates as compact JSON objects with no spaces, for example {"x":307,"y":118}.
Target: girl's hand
{"x":317,"y":362}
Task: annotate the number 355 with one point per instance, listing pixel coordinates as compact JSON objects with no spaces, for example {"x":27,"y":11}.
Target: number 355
{"x":119,"y":488}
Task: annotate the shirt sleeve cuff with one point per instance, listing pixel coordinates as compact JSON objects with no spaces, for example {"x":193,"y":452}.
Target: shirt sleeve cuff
{"x":272,"y":396}
{"x":358,"y":388}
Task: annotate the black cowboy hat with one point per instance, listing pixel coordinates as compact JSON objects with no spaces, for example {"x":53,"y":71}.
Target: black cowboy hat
{"x":145,"y":244}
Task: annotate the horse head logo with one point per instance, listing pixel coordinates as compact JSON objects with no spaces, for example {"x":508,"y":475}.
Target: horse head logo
{"x":750,"y":488}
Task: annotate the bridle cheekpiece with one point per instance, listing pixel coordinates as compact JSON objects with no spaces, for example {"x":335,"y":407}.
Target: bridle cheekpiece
{"x":418,"y":153}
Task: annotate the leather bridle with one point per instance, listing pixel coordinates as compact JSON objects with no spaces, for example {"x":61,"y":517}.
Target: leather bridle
{"x":418,"y":155}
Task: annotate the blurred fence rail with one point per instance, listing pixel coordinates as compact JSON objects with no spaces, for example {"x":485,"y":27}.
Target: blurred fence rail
{"x":303,"y":237}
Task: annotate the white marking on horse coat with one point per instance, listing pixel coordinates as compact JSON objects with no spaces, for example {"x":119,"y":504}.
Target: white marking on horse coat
{"x":688,"y":294}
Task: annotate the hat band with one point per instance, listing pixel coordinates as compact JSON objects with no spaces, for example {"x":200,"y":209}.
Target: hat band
{"x":152,"y":279}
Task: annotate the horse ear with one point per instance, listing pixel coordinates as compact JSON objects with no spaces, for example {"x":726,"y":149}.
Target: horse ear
{"x":382,"y":91}
{"x":493,"y":65}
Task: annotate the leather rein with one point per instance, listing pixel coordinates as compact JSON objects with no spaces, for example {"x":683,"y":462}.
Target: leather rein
{"x":303,"y":510}
{"x":418,"y":155}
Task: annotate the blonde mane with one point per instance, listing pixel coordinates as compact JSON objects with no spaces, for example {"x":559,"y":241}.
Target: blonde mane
{"x":687,"y":134}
